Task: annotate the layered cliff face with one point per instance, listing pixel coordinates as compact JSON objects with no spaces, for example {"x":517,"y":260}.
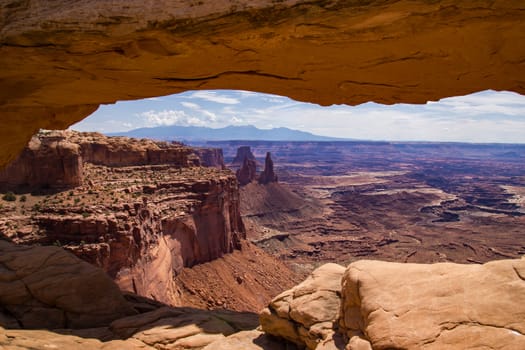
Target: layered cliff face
{"x":54,"y":159}
{"x":141,"y":224}
{"x":145,"y":237}
{"x":51,"y":161}
{"x":124,"y":151}
{"x":210,"y":157}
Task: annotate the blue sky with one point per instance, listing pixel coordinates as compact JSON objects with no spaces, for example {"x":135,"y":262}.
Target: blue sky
{"x":486,"y":116}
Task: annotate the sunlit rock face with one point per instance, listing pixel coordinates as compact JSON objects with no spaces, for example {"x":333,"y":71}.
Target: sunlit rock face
{"x":60,"y":60}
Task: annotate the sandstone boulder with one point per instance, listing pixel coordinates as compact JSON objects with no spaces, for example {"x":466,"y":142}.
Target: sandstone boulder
{"x":307,"y":313}
{"x":440,"y":306}
{"x":47,"y":287}
{"x":183,"y":328}
{"x":45,"y":340}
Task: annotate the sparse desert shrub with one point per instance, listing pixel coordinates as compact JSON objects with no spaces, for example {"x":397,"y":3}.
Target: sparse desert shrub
{"x":71,"y":193}
{"x":85,"y":214}
{"x":9,"y":197}
{"x":22,"y":198}
{"x":77,"y":200}
{"x":36,"y":207}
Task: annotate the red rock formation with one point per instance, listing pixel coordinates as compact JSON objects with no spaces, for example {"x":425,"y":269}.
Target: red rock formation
{"x":268,"y":175}
{"x":54,"y":159}
{"x":247,"y":172}
{"x":210,"y":157}
{"x":242,"y":153}
{"x":141,"y":224}
{"x":49,"y":161}
{"x":124,"y":151}
{"x":144,"y":244}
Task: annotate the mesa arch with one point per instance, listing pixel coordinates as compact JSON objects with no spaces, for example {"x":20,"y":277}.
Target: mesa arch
{"x":60,"y":59}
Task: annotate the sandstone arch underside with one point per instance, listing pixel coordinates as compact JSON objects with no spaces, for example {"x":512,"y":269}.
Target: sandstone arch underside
{"x":60,"y":59}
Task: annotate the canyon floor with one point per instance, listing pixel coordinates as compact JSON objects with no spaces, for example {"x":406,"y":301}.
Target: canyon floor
{"x":403,"y":202}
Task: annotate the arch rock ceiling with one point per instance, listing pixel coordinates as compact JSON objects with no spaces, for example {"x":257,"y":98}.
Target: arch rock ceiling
{"x":60,"y":59}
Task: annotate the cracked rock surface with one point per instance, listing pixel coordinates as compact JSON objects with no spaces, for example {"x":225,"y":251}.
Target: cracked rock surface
{"x":384,"y":305}
{"x":439,"y":306}
{"x":307,"y":313}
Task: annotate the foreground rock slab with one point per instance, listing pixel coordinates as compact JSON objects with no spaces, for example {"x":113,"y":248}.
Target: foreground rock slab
{"x":47,"y":287}
{"x":45,"y":340}
{"x":163,"y":328}
{"x":440,"y":306}
{"x":250,"y":340}
{"x":305,"y":314}
{"x":183,"y":328}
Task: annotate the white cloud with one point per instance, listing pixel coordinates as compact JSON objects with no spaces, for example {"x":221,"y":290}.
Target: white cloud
{"x":486,"y":102}
{"x":235,"y":120}
{"x":275,"y":99}
{"x":171,"y":117}
{"x":213,"y":96}
{"x":486,"y":116}
{"x":246,"y":94}
{"x":190,"y":105}
{"x":212,"y":117}
{"x":229,"y":110}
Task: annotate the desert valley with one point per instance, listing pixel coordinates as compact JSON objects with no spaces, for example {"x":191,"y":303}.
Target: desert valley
{"x":405,"y":202}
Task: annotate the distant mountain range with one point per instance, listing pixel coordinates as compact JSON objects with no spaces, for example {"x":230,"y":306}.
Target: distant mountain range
{"x":245,"y":133}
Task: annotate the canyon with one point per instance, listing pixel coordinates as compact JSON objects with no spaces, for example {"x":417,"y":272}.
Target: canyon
{"x":179,"y":256}
{"x":143,"y":211}
{"x":409,"y":202}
